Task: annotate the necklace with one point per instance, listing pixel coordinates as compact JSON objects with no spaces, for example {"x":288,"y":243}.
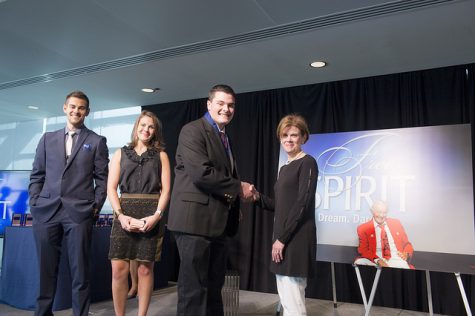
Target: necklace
{"x":299,"y":155}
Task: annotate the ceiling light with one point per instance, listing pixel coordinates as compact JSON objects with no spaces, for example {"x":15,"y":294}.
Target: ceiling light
{"x":32,"y":107}
{"x":318,"y":64}
{"x":150,"y":90}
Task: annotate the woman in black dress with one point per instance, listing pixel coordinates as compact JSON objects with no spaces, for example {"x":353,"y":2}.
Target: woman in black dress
{"x":142,"y":171}
{"x":294,"y":235}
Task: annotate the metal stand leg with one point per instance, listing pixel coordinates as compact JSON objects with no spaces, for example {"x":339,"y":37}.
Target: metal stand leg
{"x":360,"y":283}
{"x":334,"y":285}
{"x":278,"y":309}
{"x":368,"y":304}
{"x":373,"y":289}
{"x":429,"y":293}
{"x":464,"y":296}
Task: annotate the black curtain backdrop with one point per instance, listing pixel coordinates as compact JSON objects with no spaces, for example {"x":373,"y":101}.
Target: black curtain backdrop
{"x":422,"y":98}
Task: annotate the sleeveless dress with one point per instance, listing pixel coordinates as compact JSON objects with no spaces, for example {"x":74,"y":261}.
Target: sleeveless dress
{"x":140,"y":186}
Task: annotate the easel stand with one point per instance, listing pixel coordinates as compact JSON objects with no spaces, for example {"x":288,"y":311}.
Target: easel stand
{"x":332,"y":264}
{"x":462,"y":292}
{"x":429,"y":293}
{"x":369,"y":303}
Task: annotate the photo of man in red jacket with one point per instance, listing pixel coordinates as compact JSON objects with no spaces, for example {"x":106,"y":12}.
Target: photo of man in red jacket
{"x":383,"y":241}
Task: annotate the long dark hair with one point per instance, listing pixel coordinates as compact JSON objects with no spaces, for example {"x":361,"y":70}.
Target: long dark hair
{"x":156,"y":141}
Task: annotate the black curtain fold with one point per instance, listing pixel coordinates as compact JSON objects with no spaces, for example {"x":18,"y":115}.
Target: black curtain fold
{"x":421,"y":98}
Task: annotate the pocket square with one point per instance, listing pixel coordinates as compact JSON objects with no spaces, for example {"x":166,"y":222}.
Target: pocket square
{"x":87,"y":147}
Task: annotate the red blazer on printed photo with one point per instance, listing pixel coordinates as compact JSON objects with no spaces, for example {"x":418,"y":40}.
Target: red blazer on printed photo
{"x":367,"y":237}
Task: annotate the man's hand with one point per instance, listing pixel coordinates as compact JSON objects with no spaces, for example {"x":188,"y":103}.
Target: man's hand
{"x":403,"y":255}
{"x":255,"y":194}
{"x":246,"y":192}
{"x":382,"y":263}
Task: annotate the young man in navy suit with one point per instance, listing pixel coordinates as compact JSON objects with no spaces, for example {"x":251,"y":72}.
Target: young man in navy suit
{"x":204,"y":207}
{"x":67,"y":189}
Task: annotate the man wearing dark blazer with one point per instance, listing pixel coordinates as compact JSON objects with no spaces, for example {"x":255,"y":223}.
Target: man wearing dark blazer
{"x":67,"y":189}
{"x":204,"y":207}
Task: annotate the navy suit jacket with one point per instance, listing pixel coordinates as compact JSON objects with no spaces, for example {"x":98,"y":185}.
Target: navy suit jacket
{"x":205,"y":196}
{"x":78,"y":185}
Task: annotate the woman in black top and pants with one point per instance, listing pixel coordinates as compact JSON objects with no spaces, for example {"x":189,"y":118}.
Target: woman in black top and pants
{"x":294,"y":235}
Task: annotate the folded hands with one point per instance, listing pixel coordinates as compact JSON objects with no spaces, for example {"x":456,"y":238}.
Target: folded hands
{"x":136,"y":225}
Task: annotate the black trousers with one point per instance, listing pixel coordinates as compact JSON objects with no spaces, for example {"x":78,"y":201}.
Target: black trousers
{"x":49,"y":237}
{"x":202,"y":273}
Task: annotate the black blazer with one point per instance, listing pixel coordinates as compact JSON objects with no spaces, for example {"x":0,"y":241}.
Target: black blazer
{"x":205,"y":196}
{"x":79,"y":185}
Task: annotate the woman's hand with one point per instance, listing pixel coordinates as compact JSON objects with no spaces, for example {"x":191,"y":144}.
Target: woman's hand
{"x":136,"y":225}
{"x":125,"y":221}
{"x":150,"y":222}
{"x":278,"y":251}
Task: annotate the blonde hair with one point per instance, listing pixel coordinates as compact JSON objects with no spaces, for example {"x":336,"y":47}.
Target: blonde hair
{"x":293,"y":120}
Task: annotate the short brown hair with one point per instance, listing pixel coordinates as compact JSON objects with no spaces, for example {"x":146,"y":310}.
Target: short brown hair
{"x":78,"y":94}
{"x":293,"y":120}
{"x":221,"y":88}
{"x":156,"y":141}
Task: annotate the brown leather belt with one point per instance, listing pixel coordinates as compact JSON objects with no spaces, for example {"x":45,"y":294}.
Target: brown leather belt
{"x":139,"y":196}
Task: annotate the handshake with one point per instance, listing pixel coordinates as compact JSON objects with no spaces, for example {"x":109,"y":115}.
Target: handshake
{"x":248,"y":192}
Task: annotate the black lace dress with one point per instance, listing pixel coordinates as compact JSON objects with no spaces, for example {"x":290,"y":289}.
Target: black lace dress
{"x":140,"y":186}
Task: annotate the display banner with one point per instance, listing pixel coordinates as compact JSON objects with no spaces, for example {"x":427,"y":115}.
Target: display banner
{"x":396,"y":197}
{"x":13,"y":196}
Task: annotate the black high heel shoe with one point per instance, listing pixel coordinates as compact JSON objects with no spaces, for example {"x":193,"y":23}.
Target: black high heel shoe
{"x":131,"y":296}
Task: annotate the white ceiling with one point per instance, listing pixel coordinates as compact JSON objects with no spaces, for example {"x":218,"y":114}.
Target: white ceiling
{"x":111,"y":49}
